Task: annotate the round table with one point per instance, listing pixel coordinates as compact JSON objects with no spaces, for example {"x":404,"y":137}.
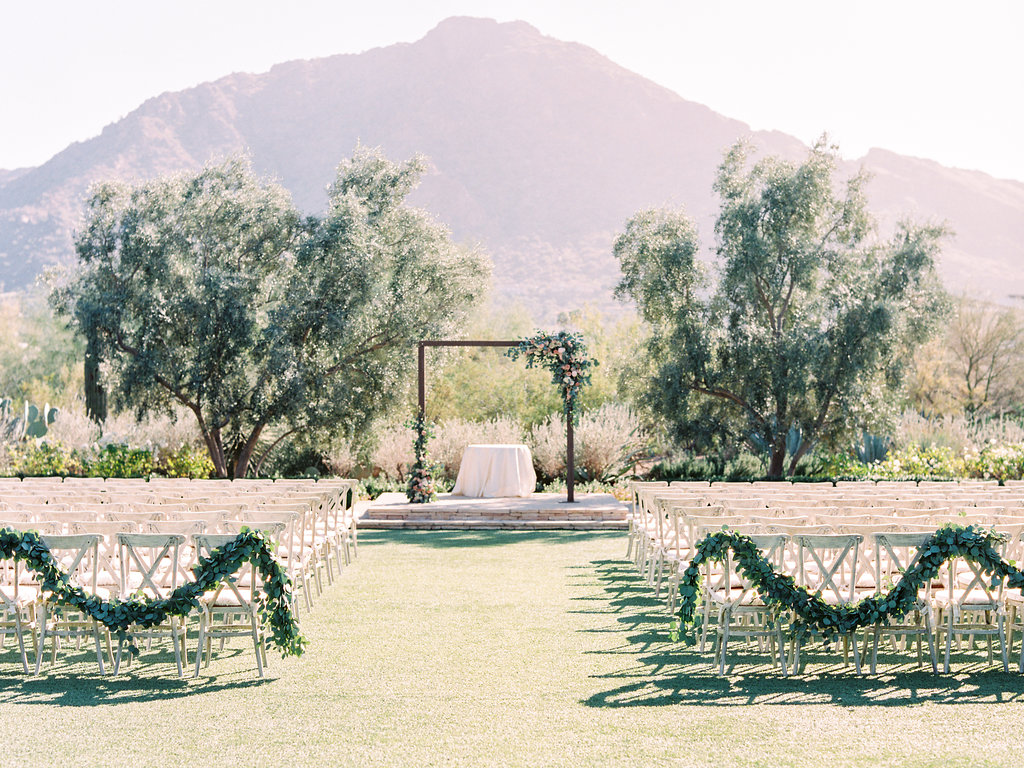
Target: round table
{"x":495,"y":471}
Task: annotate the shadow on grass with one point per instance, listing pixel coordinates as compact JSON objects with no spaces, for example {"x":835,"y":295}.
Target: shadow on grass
{"x":75,"y":681}
{"x":454,"y":539}
{"x":659,"y":672}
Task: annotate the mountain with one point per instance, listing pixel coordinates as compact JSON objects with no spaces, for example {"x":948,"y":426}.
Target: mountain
{"x":539,"y":150}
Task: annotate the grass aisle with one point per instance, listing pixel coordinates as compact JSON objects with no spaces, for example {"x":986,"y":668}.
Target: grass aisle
{"x":492,"y":648}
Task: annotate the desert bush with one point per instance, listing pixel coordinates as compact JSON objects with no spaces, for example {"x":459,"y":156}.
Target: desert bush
{"x":160,"y":432}
{"x":547,"y":443}
{"x":393,"y":454}
{"x":957,"y":432}
{"x":452,"y":437}
{"x":607,"y":442}
{"x":340,"y":458}
{"x":73,"y":427}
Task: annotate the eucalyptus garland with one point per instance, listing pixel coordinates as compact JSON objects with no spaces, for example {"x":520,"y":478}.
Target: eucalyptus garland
{"x":421,"y":487}
{"x":810,"y":611}
{"x":565,"y":355}
{"x":273,"y":602}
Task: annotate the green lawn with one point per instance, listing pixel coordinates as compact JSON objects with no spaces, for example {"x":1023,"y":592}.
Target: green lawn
{"x":495,"y":648}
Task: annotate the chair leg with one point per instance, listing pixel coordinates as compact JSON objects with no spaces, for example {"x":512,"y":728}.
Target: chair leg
{"x":782,"y":650}
{"x":177,"y":643}
{"x":256,"y":645}
{"x":20,"y":629}
{"x":931,"y":648}
{"x":99,"y":647}
{"x":202,"y":639}
{"x":117,"y":659}
{"x":42,"y":639}
{"x":949,"y":641}
{"x":1002,"y":641}
{"x":874,"y":650}
{"x":724,"y":619}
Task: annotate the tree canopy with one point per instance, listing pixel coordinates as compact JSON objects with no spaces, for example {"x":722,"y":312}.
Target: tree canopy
{"x":807,"y":328}
{"x":210,"y":290}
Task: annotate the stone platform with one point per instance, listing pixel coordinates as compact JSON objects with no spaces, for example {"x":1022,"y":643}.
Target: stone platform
{"x":539,"y":511}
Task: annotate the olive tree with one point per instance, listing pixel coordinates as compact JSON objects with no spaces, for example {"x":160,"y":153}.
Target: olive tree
{"x":209,"y":290}
{"x":807,"y":328}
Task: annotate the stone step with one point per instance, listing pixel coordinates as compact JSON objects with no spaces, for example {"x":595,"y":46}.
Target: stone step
{"x":492,"y":524}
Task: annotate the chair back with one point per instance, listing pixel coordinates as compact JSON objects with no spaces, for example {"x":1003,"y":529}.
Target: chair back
{"x":828,"y":564}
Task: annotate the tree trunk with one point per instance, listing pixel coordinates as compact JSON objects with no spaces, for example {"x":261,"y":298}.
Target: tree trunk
{"x":805,"y":446}
{"x":213,"y":446}
{"x":778,"y":462}
{"x":95,"y":396}
{"x":241,"y":463}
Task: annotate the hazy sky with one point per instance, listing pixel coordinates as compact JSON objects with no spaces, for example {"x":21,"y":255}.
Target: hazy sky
{"x":938,"y":79}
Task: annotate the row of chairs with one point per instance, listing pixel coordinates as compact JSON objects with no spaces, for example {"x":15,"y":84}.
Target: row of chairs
{"x":117,"y":553}
{"x":848,"y":553}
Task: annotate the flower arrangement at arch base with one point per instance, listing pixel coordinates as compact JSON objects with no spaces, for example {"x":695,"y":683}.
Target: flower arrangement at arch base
{"x":810,"y":611}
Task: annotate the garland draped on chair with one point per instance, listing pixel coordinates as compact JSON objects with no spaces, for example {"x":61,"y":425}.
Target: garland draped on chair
{"x":809,"y":610}
{"x":273,"y":602}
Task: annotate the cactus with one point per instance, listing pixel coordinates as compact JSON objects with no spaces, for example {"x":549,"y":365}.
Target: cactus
{"x":37,"y":422}
{"x":872,"y":448}
{"x":794,"y":439}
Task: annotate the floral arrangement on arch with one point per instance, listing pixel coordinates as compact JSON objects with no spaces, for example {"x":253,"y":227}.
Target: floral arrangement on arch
{"x":565,"y":355}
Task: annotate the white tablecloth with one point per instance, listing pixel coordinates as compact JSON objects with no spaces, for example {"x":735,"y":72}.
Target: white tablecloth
{"x":495,"y":471}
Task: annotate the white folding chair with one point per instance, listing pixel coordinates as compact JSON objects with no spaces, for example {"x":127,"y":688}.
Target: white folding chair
{"x":78,"y":555}
{"x":230,"y":610}
{"x":827,"y":564}
{"x":897,"y":552}
{"x":151,"y":566}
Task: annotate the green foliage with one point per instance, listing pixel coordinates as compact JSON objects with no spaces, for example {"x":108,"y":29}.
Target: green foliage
{"x":45,"y":459}
{"x":186,"y":461}
{"x":40,"y":357}
{"x":211,"y":292}
{"x":810,"y":611}
{"x":687,"y":468}
{"x":114,"y":460}
{"x":274,"y":602}
{"x":372,"y":487}
{"x":807,"y":328}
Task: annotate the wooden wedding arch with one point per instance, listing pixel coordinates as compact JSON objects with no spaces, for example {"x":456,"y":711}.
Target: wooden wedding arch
{"x":570,"y":464}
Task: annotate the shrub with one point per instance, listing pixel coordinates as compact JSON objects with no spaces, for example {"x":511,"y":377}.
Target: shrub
{"x":547,"y":443}
{"x":994,"y":461}
{"x":118,"y":460}
{"x":393,"y":454}
{"x":74,"y":428}
{"x":686,"y":468}
{"x":746,"y":466}
{"x":45,"y":460}
{"x":340,"y":458}
{"x":186,"y":462}
{"x":607,"y":442}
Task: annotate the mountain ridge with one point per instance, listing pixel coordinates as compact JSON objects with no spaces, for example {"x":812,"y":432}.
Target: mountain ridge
{"x":539,"y":150}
